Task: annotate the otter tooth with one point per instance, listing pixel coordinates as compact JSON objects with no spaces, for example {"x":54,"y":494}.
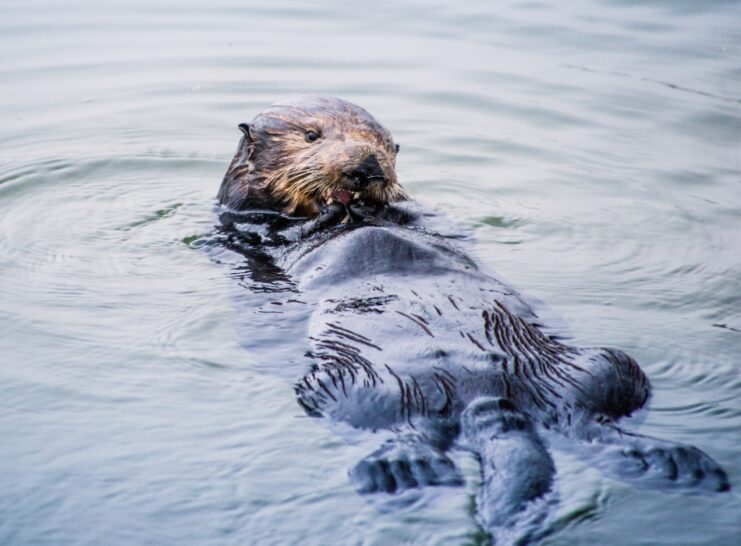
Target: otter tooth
{"x":346,"y":220}
{"x":330,"y":201}
{"x":356,"y":195}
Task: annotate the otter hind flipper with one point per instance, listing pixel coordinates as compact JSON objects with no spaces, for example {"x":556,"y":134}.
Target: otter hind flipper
{"x":653,"y":463}
{"x":405,"y":462}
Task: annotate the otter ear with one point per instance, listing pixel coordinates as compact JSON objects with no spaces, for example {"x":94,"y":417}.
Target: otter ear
{"x":247,"y":131}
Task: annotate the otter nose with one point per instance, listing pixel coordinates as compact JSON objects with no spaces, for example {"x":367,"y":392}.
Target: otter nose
{"x":368,"y":171}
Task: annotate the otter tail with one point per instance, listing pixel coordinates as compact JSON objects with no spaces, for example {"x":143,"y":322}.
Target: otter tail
{"x":517,"y":470}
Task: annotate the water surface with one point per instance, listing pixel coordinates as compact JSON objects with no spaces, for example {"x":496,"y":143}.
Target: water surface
{"x":592,"y":146}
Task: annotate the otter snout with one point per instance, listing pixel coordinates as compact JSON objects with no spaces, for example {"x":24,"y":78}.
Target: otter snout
{"x":369,"y":171}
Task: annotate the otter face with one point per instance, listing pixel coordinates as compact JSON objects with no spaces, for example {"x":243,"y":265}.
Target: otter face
{"x":302,"y":153}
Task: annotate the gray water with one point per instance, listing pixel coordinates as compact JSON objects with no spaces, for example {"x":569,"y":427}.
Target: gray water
{"x":592,"y":146}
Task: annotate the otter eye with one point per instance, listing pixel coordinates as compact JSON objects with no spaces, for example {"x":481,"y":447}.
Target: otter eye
{"x":311,"y":136}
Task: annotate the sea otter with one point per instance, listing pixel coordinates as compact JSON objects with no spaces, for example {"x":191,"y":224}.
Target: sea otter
{"x":406,"y":333}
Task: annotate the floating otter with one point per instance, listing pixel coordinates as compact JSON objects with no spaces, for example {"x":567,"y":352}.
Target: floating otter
{"x":407,"y":334}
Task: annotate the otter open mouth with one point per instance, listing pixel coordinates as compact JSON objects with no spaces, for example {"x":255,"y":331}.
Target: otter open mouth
{"x":343,"y":196}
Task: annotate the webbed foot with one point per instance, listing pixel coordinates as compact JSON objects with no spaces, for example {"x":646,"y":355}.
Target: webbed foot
{"x":671,"y":465}
{"x":406,"y":462}
{"x":651,"y":462}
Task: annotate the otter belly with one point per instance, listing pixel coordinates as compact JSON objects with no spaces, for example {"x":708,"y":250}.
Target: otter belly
{"x":400,"y":311}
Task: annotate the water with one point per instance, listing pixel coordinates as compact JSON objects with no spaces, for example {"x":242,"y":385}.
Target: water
{"x":592,"y":146}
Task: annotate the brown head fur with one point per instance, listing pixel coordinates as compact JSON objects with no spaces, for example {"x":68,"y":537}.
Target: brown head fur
{"x":298,"y":154}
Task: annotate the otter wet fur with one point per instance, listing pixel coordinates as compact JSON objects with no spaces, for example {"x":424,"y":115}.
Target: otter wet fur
{"x":407,"y":334}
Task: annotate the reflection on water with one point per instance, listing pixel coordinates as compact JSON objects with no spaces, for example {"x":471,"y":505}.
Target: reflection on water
{"x":592,"y":146}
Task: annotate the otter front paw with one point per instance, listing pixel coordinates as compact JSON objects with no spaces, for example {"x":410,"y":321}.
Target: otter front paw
{"x":402,"y":464}
{"x":362,"y":210}
{"x":331,"y":214}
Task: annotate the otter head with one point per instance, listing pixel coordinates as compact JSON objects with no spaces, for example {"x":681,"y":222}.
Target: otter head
{"x":302,"y":153}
